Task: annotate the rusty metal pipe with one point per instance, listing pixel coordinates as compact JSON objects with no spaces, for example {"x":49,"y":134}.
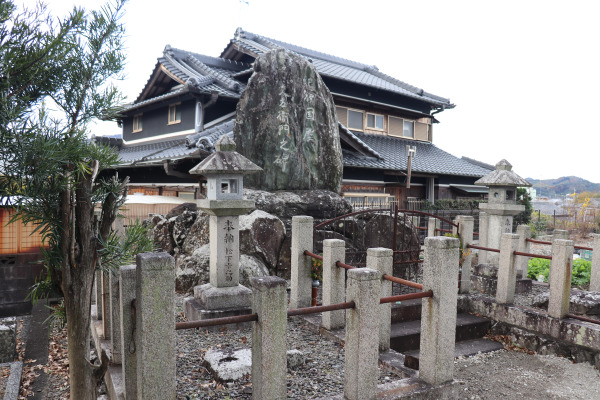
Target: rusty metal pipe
{"x":318,"y":309}
{"x":537,"y":241}
{"x":342,"y":265}
{"x":313,"y":255}
{"x":216,"y":321}
{"x":403,"y":281}
{"x":579,"y":317}
{"x":403,"y":297}
{"x":472,"y":246}
{"x":520,"y":253}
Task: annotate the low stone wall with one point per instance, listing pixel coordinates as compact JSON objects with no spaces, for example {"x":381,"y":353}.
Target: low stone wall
{"x":535,"y":330}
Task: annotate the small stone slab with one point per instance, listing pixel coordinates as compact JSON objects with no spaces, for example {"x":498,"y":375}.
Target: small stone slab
{"x":295,"y":358}
{"x":229,"y":365}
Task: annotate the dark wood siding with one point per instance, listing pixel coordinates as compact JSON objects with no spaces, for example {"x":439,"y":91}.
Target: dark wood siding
{"x":155,"y":122}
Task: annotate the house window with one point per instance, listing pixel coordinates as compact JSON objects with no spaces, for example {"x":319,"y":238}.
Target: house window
{"x":409,"y":129}
{"x":355,"y":120}
{"x":375,"y":121}
{"x":137,"y":123}
{"x":174,"y":114}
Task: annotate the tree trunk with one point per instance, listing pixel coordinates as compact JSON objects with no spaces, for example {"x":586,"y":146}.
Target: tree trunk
{"x":83,"y":378}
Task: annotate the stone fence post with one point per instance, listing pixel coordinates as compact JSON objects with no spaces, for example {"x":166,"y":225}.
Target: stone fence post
{"x":483,"y":233}
{"x":466,"y":224}
{"x":105,"y":310}
{"x":595,"y":278}
{"x":507,"y":272}
{"x":334,"y":282}
{"x":98,"y":289}
{"x":155,"y":326}
{"x":557,"y":234}
{"x":433,"y":224}
{"x":301,"y":282}
{"x":269,"y":360}
{"x":362,"y":332}
{"x":382,"y":260}
{"x":127,"y":275}
{"x":560,"y":284}
{"x":524,"y":232}
{"x":438,"y":315}
{"x":115,"y":317}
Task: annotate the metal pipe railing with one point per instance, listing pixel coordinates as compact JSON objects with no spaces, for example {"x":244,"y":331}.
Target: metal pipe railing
{"x":318,"y":309}
{"x":520,"y":253}
{"x":404,"y":297}
{"x":402,"y":281}
{"x":472,"y":246}
{"x":205,"y":323}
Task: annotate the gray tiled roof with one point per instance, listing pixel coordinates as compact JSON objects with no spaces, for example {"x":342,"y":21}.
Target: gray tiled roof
{"x":175,"y":149}
{"x":165,"y":150}
{"x":428,"y":158}
{"x":199,"y":74}
{"x":340,"y":68}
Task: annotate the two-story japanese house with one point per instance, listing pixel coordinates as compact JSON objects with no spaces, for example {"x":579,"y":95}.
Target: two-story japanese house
{"x":386,"y":126}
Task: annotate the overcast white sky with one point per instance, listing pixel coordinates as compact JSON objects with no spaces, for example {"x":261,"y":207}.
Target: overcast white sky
{"x":524,"y":75}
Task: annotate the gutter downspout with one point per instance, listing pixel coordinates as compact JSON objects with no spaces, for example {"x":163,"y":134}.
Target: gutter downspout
{"x":200,"y":107}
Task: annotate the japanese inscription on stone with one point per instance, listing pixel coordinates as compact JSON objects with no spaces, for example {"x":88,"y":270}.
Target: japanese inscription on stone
{"x":229,"y":240}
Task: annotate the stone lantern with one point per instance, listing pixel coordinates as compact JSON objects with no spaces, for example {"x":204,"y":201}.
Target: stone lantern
{"x":224,"y":171}
{"x":497,"y":214}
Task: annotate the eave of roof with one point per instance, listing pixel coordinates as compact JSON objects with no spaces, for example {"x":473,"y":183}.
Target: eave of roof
{"x":429,"y":159}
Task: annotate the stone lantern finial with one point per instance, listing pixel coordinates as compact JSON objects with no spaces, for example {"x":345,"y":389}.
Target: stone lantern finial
{"x":504,"y":165}
{"x":225,"y":143}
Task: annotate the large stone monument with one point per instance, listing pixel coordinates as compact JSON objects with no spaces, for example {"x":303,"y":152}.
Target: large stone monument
{"x":501,"y":207}
{"x":287,"y":124}
{"x":223,"y":296}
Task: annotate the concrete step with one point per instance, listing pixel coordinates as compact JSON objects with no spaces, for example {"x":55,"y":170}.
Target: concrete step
{"x":464,"y":348}
{"x":408,"y":310}
{"x":406,"y":336}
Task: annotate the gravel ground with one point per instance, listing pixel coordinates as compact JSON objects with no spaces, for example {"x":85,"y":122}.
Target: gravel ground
{"x":504,"y":375}
{"x":321,"y":375}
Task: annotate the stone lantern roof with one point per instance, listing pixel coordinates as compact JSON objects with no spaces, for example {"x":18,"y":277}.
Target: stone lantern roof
{"x":225,"y":160}
{"x":503,"y":176}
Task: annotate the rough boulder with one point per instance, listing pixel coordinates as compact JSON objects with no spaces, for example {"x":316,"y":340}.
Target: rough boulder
{"x":286,"y":123}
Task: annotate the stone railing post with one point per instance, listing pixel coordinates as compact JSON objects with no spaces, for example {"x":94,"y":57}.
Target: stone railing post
{"x":507,"y":272}
{"x":524,"y":232}
{"x":560,"y":285}
{"x":155,"y":326}
{"x":362,"y":323}
{"x":433,"y":224}
{"x":269,"y":360}
{"x":382,"y":260}
{"x":301,"y":282}
{"x":438,"y":315}
{"x":466,"y":224}
{"x":115,"y":317}
{"x":127,"y":275}
{"x":595,"y":278}
{"x":483,"y":234}
{"x":557,"y":234}
{"x":105,"y":310}
{"x":334,"y":282}
{"x":98,"y":288}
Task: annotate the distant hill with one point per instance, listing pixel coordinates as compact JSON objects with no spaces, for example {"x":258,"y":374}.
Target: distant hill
{"x":562,"y":186}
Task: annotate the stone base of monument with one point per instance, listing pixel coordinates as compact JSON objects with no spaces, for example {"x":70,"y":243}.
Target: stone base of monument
{"x":210,"y":302}
{"x":484,"y":279}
